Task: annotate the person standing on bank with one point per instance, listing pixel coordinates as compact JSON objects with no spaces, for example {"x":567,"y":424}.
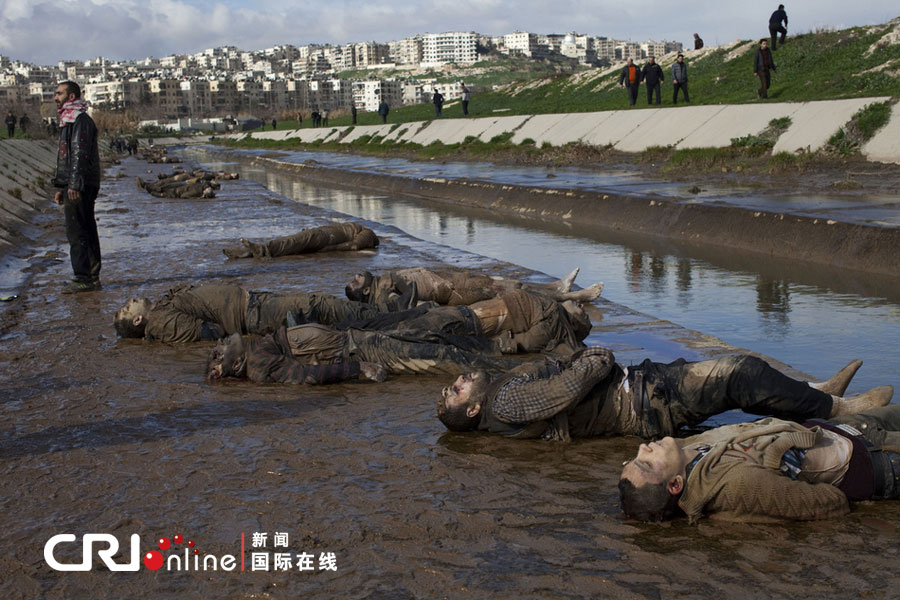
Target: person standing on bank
{"x":383,"y":110}
{"x":78,"y":181}
{"x":652,"y":76}
{"x":778,"y":17}
{"x":698,"y":41}
{"x":680,"y":79}
{"x":353,"y":113}
{"x":762,"y":64}
{"x":10,"y":124}
{"x":465,"y":100}
{"x":630,"y":79}
{"x":438,"y":99}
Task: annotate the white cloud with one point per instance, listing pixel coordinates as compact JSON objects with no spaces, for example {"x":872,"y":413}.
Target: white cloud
{"x":45,"y":31}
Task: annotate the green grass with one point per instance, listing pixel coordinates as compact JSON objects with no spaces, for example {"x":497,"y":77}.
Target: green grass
{"x":864,"y":124}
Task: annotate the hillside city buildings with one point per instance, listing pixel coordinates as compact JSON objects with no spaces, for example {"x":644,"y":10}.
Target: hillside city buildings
{"x":227,"y":80}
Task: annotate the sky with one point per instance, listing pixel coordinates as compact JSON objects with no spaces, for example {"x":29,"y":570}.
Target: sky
{"x":47,"y":31}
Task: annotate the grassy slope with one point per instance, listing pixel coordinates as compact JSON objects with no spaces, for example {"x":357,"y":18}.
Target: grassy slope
{"x":812,"y":66}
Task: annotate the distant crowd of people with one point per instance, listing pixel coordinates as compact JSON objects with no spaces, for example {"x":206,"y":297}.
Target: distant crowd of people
{"x":651,"y":74}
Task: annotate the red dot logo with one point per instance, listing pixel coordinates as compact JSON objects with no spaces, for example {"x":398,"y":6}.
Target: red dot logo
{"x":177,"y":539}
{"x":191,"y":543}
{"x":153,"y":560}
{"x":164,"y":543}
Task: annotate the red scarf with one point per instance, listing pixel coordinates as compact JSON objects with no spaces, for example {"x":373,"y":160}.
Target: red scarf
{"x":70,"y":111}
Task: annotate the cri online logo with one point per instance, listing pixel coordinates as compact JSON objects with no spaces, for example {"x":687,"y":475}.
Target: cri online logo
{"x":108,"y":546}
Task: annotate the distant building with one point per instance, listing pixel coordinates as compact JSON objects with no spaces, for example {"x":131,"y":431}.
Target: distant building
{"x":448,"y":48}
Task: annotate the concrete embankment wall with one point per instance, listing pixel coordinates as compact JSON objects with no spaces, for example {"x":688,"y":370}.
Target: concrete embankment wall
{"x":26,"y":166}
{"x":843,"y":245}
{"x":634,"y":130}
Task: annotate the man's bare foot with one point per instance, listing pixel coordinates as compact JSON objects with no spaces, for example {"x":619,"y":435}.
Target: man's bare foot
{"x":588,"y":294}
{"x":874,"y":398}
{"x":565,"y":284}
{"x":837,"y":385}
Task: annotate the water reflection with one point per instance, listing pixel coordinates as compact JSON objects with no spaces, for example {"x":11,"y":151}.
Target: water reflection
{"x":810,"y":317}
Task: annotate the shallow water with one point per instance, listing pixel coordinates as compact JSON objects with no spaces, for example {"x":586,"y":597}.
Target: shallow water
{"x":810,"y":317}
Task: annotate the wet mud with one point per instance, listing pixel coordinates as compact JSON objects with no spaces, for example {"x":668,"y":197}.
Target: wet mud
{"x":122,"y":437}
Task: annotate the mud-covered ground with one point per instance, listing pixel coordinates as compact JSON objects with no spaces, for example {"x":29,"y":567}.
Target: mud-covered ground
{"x":101,"y":435}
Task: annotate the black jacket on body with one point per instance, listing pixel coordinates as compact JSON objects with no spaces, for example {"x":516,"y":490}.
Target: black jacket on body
{"x":652,"y":74}
{"x":78,"y":157}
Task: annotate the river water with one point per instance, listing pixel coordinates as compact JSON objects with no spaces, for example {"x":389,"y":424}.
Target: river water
{"x":811,"y":317}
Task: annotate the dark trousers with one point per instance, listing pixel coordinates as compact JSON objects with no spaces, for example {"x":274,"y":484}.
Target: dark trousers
{"x":268,"y":311}
{"x":683,"y":86}
{"x":404,"y":352}
{"x":384,"y":118}
{"x":774,"y":30}
{"x":693,"y":392}
{"x":881,"y":428}
{"x":632,"y":89}
{"x":765,"y":79}
{"x":81,"y":231}
{"x":437,"y":110}
{"x":650,"y":91}
{"x":10,"y":130}
{"x":465,"y":105}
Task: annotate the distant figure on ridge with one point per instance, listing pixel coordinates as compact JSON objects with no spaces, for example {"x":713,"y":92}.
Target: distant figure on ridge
{"x":778,"y":17}
{"x":630,"y":79}
{"x":762,"y":64}
{"x":679,"y":79}
{"x":652,"y":76}
{"x":698,"y":42}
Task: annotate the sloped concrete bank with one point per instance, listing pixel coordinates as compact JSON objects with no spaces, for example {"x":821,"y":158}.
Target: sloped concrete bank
{"x":26,"y":167}
{"x":844,"y":245}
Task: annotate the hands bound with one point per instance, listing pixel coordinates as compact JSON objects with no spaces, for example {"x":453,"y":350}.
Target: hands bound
{"x":373,"y":371}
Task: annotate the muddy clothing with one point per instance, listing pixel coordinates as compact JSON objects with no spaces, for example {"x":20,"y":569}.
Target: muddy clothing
{"x":334,"y":237}
{"x":453,"y":288}
{"x":209,"y":312}
{"x":78,"y":168}
{"x":183,"y":190}
{"x":518,"y":320}
{"x":269,"y":360}
{"x":591,"y":396}
{"x":398,"y":352}
{"x":775,"y":469}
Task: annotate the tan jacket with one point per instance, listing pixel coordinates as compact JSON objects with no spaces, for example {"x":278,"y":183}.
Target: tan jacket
{"x":739,"y":479}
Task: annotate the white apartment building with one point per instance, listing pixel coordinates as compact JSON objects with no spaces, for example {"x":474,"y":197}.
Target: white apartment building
{"x":407,"y":51}
{"x":445,"y":48}
{"x":120,"y":93}
{"x":520,"y":43}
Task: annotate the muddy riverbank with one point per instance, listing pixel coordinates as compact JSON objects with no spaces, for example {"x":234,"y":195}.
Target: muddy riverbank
{"x":121,"y":437}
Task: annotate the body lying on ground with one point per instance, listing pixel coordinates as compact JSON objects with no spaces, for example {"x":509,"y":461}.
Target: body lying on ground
{"x":519,"y":321}
{"x":768,"y":470}
{"x":591,"y":395}
{"x":455,"y":288}
{"x":208,"y":312}
{"x":264,"y":360}
{"x":327,"y":238}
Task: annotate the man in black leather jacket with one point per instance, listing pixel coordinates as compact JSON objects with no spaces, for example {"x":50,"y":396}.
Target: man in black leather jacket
{"x":78,"y":182}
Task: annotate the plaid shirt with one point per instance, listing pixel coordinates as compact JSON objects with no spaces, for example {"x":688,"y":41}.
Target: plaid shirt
{"x":550,"y":389}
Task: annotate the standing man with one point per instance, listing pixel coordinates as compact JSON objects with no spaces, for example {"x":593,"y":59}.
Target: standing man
{"x":761,"y":66}
{"x":438,"y":99}
{"x":10,"y":124}
{"x":78,"y":182}
{"x":274,"y":124}
{"x":383,"y":110}
{"x":652,"y":76}
{"x":680,"y":79}
{"x":778,"y":17}
{"x":23,"y":123}
{"x":353,"y":113}
{"x":465,"y":100}
{"x":630,"y":79}
{"x":698,"y":42}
